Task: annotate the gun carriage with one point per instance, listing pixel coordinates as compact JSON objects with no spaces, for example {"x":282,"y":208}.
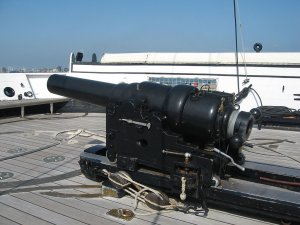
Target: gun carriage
{"x":182,"y":140}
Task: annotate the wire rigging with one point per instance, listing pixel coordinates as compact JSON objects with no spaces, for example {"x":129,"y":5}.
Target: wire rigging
{"x":243,"y":53}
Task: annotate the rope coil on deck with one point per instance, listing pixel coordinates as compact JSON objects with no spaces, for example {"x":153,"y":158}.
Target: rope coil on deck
{"x":142,"y":192}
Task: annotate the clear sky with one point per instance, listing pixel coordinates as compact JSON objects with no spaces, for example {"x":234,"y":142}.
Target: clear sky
{"x":43,"y":33}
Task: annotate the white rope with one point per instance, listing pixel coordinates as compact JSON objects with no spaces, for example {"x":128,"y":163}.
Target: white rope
{"x":140,"y":195}
{"x":242,"y":39}
{"x":183,"y":194}
{"x":75,"y":133}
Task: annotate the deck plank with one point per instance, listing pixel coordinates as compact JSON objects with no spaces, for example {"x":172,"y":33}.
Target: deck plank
{"x":69,"y":210}
{"x":20,"y":217}
{"x":7,"y":221}
{"x":214,"y":216}
{"x":102,"y":206}
{"x":279,"y":153}
{"x":37,"y":211}
{"x":28,"y":201}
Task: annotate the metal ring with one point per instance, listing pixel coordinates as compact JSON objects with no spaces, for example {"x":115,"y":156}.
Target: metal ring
{"x":28,"y":94}
{"x":231,"y":123}
{"x":257,"y":47}
{"x":9,"y":91}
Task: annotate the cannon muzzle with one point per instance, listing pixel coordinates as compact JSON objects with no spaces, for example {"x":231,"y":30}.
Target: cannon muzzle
{"x":81,"y":89}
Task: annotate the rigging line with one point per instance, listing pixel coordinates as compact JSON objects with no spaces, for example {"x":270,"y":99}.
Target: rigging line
{"x":236,"y":47}
{"x":253,"y":90}
{"x":292,"y":158}
{"x":242,"y":38}
{"x":259,"y":153}
{"x":47,"y":188}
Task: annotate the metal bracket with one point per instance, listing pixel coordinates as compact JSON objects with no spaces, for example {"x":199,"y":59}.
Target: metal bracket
{"x":148,"y":125}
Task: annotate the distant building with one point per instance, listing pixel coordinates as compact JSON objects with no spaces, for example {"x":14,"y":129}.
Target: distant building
{"x":10,"y":69}
{"x":3,"y":70}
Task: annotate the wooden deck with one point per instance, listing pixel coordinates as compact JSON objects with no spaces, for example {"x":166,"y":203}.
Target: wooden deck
{"x":36,"y":190}
{"x":31,"y":102}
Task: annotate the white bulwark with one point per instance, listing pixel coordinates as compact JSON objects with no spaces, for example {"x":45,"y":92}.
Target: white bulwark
{"x":275,"y":76}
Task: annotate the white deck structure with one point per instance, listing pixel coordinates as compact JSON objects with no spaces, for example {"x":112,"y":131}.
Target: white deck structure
{"x":275,"y":76}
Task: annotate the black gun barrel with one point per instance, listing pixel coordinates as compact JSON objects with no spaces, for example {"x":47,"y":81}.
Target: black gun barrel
{"x":81,"y":89}
{"x":101,"y":93}
{"x":203,"y":115}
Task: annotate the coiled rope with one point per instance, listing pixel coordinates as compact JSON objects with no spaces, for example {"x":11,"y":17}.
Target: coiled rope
{"x":141,"y":193}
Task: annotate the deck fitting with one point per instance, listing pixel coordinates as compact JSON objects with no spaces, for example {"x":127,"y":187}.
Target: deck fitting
{"x":5,"y":175}
{"x":110,"y":191}
{"x":16,"y":150}
{"x":125,"y":214}
{"x":54,"y":158}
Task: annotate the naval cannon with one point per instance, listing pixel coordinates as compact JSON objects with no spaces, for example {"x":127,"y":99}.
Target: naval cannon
{"x":163,"y":135}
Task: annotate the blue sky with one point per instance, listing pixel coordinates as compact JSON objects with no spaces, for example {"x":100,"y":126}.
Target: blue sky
{"x":42,"y":33}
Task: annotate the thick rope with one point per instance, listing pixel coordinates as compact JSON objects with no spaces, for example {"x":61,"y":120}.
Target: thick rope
{"x":140,"y":195}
